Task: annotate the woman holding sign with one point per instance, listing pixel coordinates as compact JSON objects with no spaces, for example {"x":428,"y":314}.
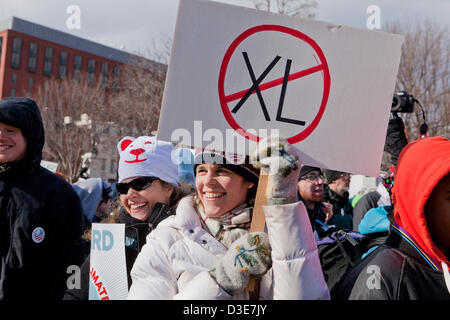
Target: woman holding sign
{"x":206,"y":251}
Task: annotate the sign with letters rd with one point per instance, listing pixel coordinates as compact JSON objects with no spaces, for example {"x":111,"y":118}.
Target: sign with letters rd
{"x":238,"y":74}
{"x":108,"y":271}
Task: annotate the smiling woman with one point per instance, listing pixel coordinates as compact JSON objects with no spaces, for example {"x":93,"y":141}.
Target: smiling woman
{"x":206,"y":250}
{"x":147,"y":175}
{"x":220,"y":189}
{"x":142,"y":194}
{"x":149,"y":188}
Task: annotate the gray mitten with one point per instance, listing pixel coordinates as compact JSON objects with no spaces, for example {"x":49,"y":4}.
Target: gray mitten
{"x":278,"y":158}
{"x":247,"y":256}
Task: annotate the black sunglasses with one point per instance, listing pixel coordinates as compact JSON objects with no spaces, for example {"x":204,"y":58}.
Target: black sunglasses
{"x":137,"y":184}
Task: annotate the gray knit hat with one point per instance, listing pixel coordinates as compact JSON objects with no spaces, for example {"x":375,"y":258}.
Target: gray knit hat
{"x":332,"y":175}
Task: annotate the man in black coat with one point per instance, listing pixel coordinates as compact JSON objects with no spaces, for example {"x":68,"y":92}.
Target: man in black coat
{"x":40,"y":213}
{"x":310,"y":191}
{"x":336,"y":192}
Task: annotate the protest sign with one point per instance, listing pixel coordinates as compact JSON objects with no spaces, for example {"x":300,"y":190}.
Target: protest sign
{"x":108,"y":272}
{"x":238,"y":74}
{"x":49,"y":165}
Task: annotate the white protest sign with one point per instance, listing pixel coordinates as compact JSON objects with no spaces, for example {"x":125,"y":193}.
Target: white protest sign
{"x":51,"y":166}
{"x":237,"y":74}
{"x":108,"y":271}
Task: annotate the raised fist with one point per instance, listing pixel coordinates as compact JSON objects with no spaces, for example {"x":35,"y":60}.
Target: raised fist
{"x":276,"y":157}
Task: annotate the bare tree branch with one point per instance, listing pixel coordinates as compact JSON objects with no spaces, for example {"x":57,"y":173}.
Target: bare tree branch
{"x":127,"y":106}
{"x":424,"y":72}
{"x":62,"y":104}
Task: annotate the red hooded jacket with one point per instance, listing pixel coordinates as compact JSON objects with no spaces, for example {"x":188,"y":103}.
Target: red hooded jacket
{"x":421,"y":165}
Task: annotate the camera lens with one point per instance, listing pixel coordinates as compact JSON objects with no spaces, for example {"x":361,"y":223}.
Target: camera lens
{"x":395,"y":101}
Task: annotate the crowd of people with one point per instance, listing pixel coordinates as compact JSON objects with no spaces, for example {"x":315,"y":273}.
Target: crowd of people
{"x":187,"y":227}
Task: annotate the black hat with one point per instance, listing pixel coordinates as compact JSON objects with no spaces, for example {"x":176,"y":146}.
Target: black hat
{"x":238,"y":164}
{"x":24,"y":113}
{"x":332,"y":175}
{"x":307,"y":169}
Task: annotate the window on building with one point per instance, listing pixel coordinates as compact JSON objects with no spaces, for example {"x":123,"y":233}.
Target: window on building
{"x":13,"y":92}
{"x":99,"y":128}
{"x":91,"y":72}
{"x":77,"y":63}
{"x":30,"y":82}
{"x":16,"y":52}
{"x":112,"y":168}
{"x":103,"y":165}
{"x":63,"y":58}
{"x":116,"y":79}
{"x":32,"y":57}
{"x":104,"y":78}
{"x":14,"y":78}
{"x":48,"y":61}
{"x":1,"y":42}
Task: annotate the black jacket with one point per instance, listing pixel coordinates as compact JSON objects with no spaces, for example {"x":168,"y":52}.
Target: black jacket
{"x":342,"y":209}
{"x":394,"y":271}
{"x":316,"y":214}
{"x":40,"y":216}
{"x":136,"y":232}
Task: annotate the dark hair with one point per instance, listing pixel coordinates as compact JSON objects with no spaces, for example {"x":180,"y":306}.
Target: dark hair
{"x":251,"y":193}
{"x":113,"y":217}
{"x":178,"y":192}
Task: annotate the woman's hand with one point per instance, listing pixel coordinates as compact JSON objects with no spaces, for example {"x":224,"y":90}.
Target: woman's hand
{"x":250,"y":255}
{"x":276,"y":157}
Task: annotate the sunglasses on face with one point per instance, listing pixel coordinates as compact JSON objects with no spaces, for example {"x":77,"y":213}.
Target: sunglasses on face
{"x":137,"y":184}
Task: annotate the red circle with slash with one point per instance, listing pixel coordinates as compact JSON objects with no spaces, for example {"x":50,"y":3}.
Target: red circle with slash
{"x":225,"y":99}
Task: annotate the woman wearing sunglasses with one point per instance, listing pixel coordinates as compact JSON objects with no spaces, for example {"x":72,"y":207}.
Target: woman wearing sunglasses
{"x":149,"y":188}
{"x":205,"y":250}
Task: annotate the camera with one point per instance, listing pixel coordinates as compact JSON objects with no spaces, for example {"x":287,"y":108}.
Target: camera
{"x":402,"y":102}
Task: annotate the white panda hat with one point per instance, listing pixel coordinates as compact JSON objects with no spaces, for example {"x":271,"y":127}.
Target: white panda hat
{"x":146,"y":157}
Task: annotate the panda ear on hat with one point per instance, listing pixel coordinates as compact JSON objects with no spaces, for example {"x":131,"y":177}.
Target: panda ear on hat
{"x":124,"y":143}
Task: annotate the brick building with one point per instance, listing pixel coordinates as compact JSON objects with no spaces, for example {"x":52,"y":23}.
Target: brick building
{"x":31,"y":53}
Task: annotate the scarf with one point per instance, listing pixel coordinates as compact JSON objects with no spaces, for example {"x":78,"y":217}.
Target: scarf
{"x":229,"y":226}
{"x":335,"y":198}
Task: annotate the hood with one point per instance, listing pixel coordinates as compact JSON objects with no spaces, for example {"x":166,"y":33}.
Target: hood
{"x":375,"y":220}
{"x":421,"y":165}
{"x":24,"y":113}
{"x":90,"y":193}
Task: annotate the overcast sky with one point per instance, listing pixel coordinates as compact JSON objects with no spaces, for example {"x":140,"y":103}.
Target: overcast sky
{"x":134,"y":25}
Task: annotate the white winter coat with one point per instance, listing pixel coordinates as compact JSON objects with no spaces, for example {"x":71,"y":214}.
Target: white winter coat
{"x":174,"y":262}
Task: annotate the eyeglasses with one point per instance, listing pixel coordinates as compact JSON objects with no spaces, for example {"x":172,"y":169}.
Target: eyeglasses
{"x":346,"y":175}
{"x":314,"y":177}
{"x":137,"y":184}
